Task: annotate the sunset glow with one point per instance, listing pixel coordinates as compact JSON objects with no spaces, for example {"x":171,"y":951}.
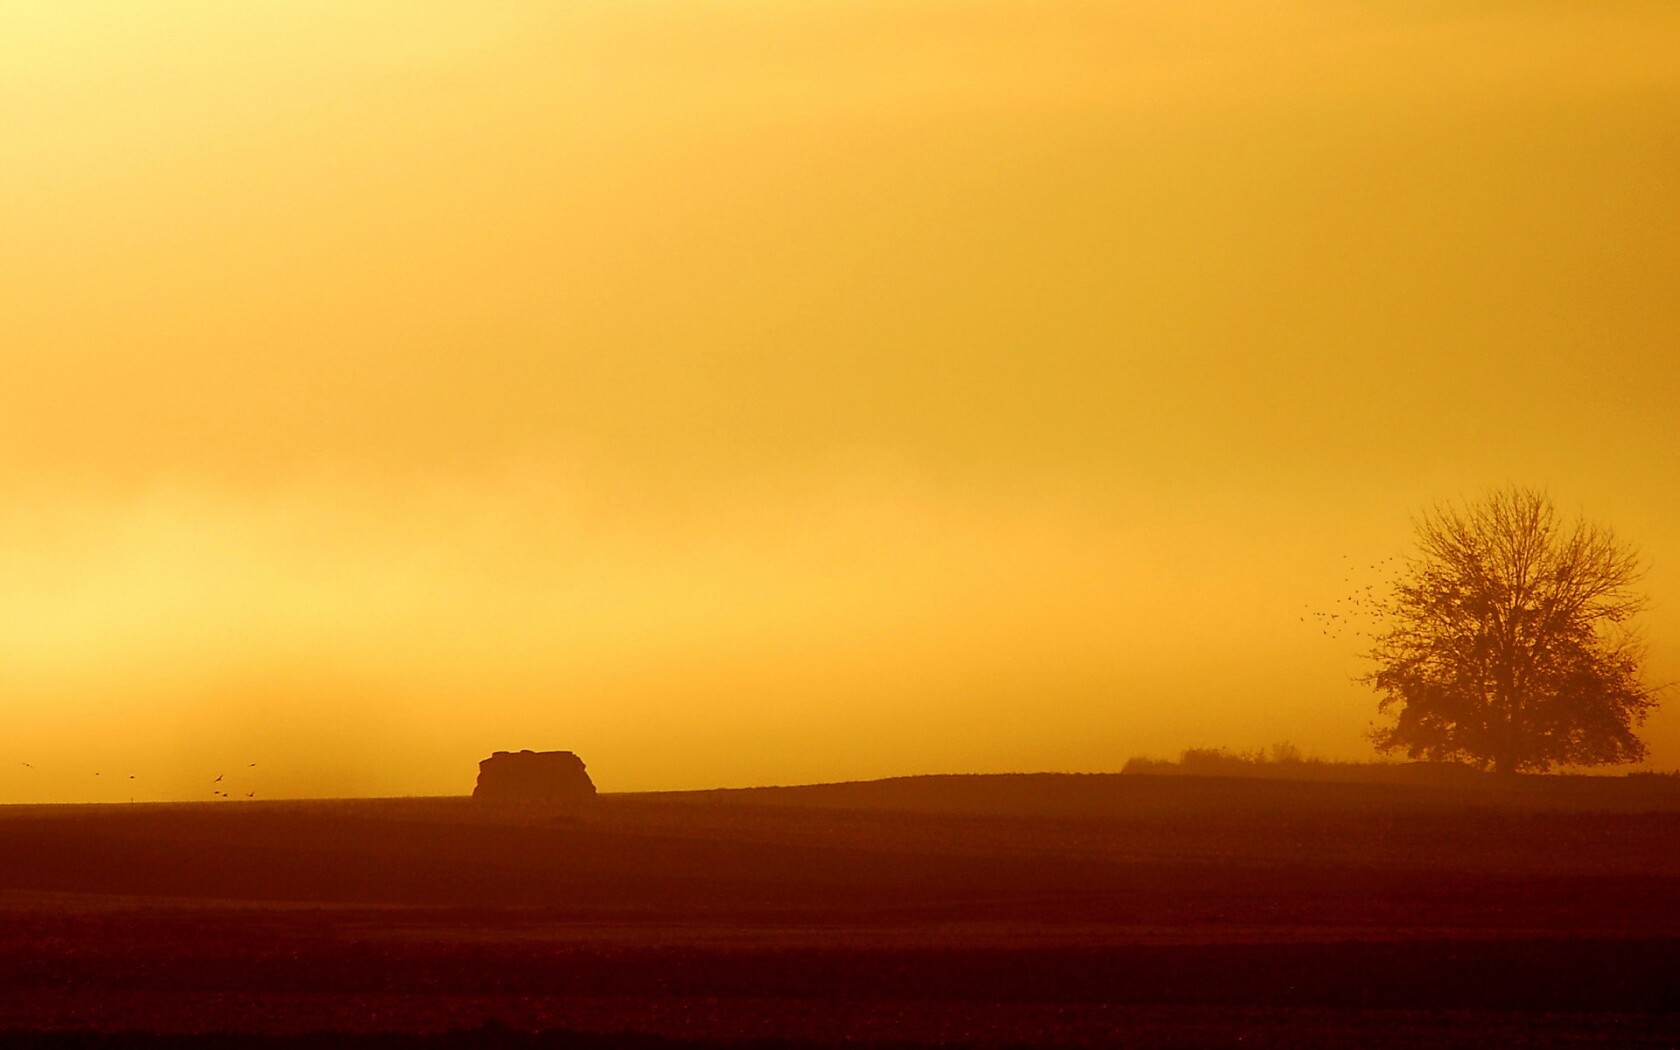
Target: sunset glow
{"x":746,"y":392}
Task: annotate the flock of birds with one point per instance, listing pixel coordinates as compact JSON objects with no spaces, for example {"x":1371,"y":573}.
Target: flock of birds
{"x":1358,"y":612}
{"x":223,"y":794}
{"x":215,"y":789}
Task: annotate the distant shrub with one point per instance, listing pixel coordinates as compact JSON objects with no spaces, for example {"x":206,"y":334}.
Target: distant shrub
{"x":1143,"y":764}
{"x":1286,"y":761}
{"x":1220,"y":761}
{"x":1287,"y":752}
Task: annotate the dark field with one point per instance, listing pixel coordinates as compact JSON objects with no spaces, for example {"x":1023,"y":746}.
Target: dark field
{"x":1130,"y":911}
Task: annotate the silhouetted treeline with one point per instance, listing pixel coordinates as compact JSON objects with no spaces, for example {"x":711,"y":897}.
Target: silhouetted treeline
{"x":1287,"y":762}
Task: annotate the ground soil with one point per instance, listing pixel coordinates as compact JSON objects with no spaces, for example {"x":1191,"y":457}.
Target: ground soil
{"x":1047,"y":911}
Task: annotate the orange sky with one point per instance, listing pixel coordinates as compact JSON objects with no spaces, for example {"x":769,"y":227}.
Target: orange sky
{"x":739,"y":391}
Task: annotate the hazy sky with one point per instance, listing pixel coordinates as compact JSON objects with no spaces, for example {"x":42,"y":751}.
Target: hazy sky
{"x":749,"y":391}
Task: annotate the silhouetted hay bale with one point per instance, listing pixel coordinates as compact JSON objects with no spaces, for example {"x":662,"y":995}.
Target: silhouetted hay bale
{"x":534,"y":776}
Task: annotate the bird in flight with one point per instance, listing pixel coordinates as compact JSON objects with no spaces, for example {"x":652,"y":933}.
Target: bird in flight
{"x":26,"y":765}
{"x":251,"y":793}
{"x":218,"y":779}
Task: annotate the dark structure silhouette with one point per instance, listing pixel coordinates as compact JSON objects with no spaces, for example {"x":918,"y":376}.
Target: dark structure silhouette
{"x":1507,"y":641}
{"x":534,"y":776}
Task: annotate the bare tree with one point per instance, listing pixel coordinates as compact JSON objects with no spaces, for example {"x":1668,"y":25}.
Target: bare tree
{"x":1508,"y":642}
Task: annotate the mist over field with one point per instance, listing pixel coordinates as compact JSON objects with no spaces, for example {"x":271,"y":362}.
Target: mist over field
{"x":766,"y":393}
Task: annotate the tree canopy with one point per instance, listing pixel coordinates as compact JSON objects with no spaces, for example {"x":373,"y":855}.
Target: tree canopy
{"x":1508,"y":640}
